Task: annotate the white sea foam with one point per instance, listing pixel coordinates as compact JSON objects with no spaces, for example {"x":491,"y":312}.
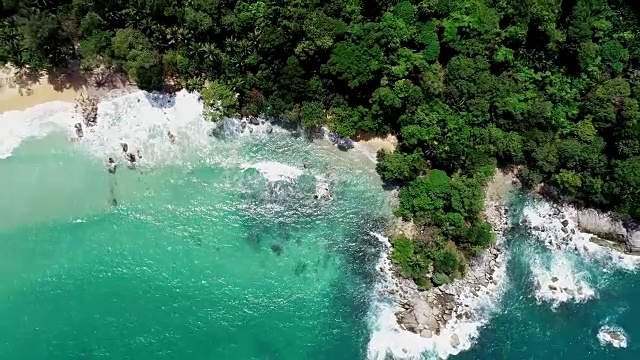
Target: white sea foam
{"x":558,"y":281}
{"x":546,"y":224}
{"x":323,"y":188}
{"x":38,"y":121}
{"x":275,"y":171}
{"x":612,"y":335}
{"x":388,"y":339}
{"x":143,"y":120}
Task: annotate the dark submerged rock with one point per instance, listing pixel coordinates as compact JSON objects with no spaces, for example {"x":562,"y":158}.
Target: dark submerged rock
{"x":111,"y":166}
{"x":277,"y":249}
{"x":300,"y":268}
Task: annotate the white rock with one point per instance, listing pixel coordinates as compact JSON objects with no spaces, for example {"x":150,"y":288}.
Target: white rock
{"x":455,"y":340}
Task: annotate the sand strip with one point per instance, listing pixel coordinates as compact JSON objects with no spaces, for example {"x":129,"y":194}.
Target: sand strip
{"x":22,"y":89}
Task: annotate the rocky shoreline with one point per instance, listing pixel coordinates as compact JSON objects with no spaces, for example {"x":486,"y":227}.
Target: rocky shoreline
{"x":589,"y":232}
{"x":439,"y":312}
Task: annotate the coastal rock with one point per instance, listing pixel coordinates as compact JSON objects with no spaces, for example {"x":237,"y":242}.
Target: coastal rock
{"x":597,"y":223}
{"x":88,"y":107}
{"x":455,"y":340}
{"x":553,"y":288}
{"x":426,"y":333}
{"x":409,"y":322}
{"x":633,"y":241}
{"x":612,"y":335}
{"x":432,"y":323}
{"x":432,"y":309}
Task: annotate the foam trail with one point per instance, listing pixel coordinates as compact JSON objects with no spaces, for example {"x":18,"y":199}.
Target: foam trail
{"x":112,"y":192}
{"x":37,"y":121}
{"x":389,"y":340}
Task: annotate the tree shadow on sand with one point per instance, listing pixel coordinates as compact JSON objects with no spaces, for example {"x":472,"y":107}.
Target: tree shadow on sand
{"x":66,"y":78}
{"x":24,"y":79}
{"x":73,"y":77}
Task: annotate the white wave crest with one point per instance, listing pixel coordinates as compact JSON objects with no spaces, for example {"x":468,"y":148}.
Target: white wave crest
{"x":389,"y":340}
{"x":143,"y":121}
{"x":38,"y":121}
{"x":275,"y":171}
{"x":612,"y":335}
{"x":559,"y":282}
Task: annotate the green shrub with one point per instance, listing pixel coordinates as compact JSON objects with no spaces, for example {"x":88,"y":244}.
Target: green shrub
{"x":440,"y":279}
{"x":423,"y":284}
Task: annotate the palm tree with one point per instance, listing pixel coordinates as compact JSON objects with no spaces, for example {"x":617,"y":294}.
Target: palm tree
{"x":209,"y":53}
{"x":176,"y":35}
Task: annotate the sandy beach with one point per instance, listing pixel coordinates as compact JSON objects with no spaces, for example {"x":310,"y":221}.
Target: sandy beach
{"x":374,"y":143}
{"x":20,"y":89}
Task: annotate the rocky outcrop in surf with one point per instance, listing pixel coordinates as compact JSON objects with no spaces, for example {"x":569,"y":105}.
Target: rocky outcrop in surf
{"x":88,"y":108}
{"x":246,"y":125}
{"x":589,"y":232}
{"x":612,"y":335}
{"x":447,"y":319}
{"x":605,"y":226}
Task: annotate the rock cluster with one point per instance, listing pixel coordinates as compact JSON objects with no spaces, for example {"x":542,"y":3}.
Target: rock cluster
{"x":252,"y":123}
{"x":88,"y":107}
{"x":607,"y":231}
{"x":428,"y":313}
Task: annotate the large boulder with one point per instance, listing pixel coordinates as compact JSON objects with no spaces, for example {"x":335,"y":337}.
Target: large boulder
{"x":602,"y":225}
{"x":455,"y":340}
{"x":409,"y":322}
{"x":633,"y":241}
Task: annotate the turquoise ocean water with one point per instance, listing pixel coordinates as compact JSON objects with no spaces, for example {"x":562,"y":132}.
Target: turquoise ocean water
{"x":218,"y":250}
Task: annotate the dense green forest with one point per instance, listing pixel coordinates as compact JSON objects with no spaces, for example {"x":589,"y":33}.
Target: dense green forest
{"x":552,"y":85}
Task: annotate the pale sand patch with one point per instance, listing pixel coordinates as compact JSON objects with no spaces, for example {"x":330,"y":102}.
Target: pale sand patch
{"x":503,"y":183}
{"x":375,"y":144}
{"x":370,"y":145}
{"x":22,"y":89}
{"x":19,"y":92}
